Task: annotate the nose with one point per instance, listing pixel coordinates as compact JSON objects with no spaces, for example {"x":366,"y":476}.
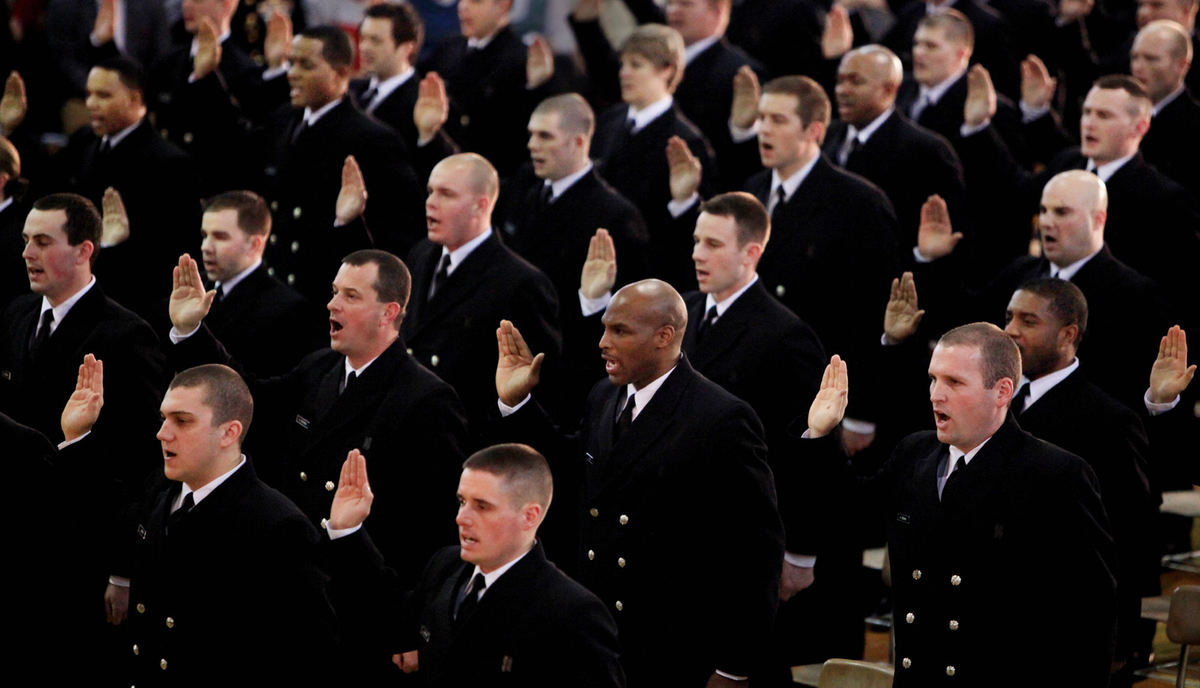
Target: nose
{"x":163,"y":434}
{"x":332,"y":305}
{"x":463,"y":517}
{"x":28,"y":253}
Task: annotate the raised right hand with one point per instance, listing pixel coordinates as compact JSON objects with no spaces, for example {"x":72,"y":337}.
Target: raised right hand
{"x":902,"y":317}
{"x":935,"y":237}
{"x":433,"y":106}
{"x":685,"y":169}
{"x":517,"y":370}
{"x":1171,"y":374}
{"x":829,"y":406}
{"x":600,"y":269}
{"x":189,"y":302}
{"x":352,"y":501}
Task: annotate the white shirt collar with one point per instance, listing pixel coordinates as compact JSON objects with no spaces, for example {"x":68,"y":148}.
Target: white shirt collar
{"x":1045,"y":383}
{"x":198,"y":495}
{"x":61,"y":310}
{"x":644,"y":395}
{"x":1068,"y":271}
{"x":1108,"y":169}
{"x":489,"y":579}
{"x":864,"y":134}
{"x":649,"y":113}
{"x":5,"y":203}
{"x":1158,"y":107}
{"x":458,"y":255}
{"x":384,"y":88}
{"x":114,"y":139}
{"x":357,"y":371}
{"x":793,"y":182}
{"x":690,"y":52}
{"x":560,"y":186}
{"x":934,"y":93}
{"x":311,"y":116}
{"x":481,"y":43}
{"x":228,"y":285}
{"x":723,"y":306}
{"x":956,"y":454}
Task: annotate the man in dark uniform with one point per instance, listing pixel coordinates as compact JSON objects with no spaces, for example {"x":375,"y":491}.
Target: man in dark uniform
{"x":974,"y":511}
{"x":226,"y":582}
{"x":654,"y":436}
{"x":492,"y":610}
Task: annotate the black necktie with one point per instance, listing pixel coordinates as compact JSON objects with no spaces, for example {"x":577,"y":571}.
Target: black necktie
{"x":706,"y":323}
{"x":300,"y":129}
{"x":105,"y":146}
{"x":776,"y":199}
{"x":179,"y":514}
{"x":545,"y":196}
{"x":848,"y":148}
{"x":469,"y":599}
{"x":625,"y":419}
{"x":349,"y":381}
{"x":42,"y":334}
{"x":1020,"y":399}
{"x":369,"y":96}
{"x":440,"y":276}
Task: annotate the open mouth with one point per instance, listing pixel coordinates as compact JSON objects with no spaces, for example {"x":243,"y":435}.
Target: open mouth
{"x":34,"y":272}
{"x":334,"y":326}
{"x":940,"y":418}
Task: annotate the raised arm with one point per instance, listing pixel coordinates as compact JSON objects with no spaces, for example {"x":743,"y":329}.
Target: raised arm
{"x":189,"y":301}
{"x":517,"y":370}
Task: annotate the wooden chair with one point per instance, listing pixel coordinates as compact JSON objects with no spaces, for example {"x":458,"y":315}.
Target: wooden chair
{"x":852,"y":673}
{"x":1183,"y":625}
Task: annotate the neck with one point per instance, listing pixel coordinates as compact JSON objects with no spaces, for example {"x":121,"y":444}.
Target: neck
{"x":225,"y":462}
{"x":361,"y":358}
{"x":466,"y":240}
{"x":76,"y":286}
{"x":387,"y":71}
{"x":806,"y":156}
{"x":741,"y":284}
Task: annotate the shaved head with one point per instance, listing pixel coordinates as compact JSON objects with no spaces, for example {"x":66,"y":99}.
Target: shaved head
{"x":643,"y":332}
{"x":658,"y":304}
{"x":867,"y":81}
{"x":1084,"y":187}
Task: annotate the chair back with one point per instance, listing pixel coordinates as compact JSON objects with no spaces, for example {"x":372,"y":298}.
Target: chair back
{"x":1183,"y":619}
{"x":851,"y":673}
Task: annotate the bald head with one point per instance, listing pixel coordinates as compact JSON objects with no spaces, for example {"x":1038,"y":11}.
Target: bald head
{"x":643,"y":332}
{"x":476,"y":171}
{"x":1083,"y":187}
{"x":1160,"y":57}
{"x":867,"y":81}
{"x":1071,"y":220}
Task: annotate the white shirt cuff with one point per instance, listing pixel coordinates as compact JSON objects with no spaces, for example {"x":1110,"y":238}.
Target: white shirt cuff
{"x":277,"y":72}
{"x":804,"y":561}
{"x":740,"y":135}
{"x":593,"y":306}
{"x":176,"y":336}
{"x":119,"y":581}
{"x":920,"y":257}
{"x":1157,"y":409}
{"x":971,"y":129}
{"x":335,"y":533}
{"x":677,"y":208}
{"x":732,"y":677}
{"x":1030,"y":113}
{"x":506,"y":410}
{"x":66,"y":443}
{"x":862,"y":427}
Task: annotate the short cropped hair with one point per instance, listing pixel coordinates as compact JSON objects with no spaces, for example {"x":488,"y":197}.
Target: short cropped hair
{"x":1140,"y":102}
{"x":812,"y":103}
{"x":224,"y":392}
{"x":253,"y":217}
{"x":749,"y":216}
{"x":1001,"y":357}
{"x":953,"y":23}
{"x":406,"y":23}
{"x":1067,"y":303}
{"x":524,"y":472}
{"x":83,"y":220}
{"x":575,"y":116}
{"x":336,"y":47}
{"x":392,"y":282}
{"x":129,"y":72}
{"x":661,"y":45}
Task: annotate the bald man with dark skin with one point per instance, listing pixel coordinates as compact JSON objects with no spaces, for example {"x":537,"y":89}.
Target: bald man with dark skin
{"x":692,"y":584}
{"x":870,"y":135}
